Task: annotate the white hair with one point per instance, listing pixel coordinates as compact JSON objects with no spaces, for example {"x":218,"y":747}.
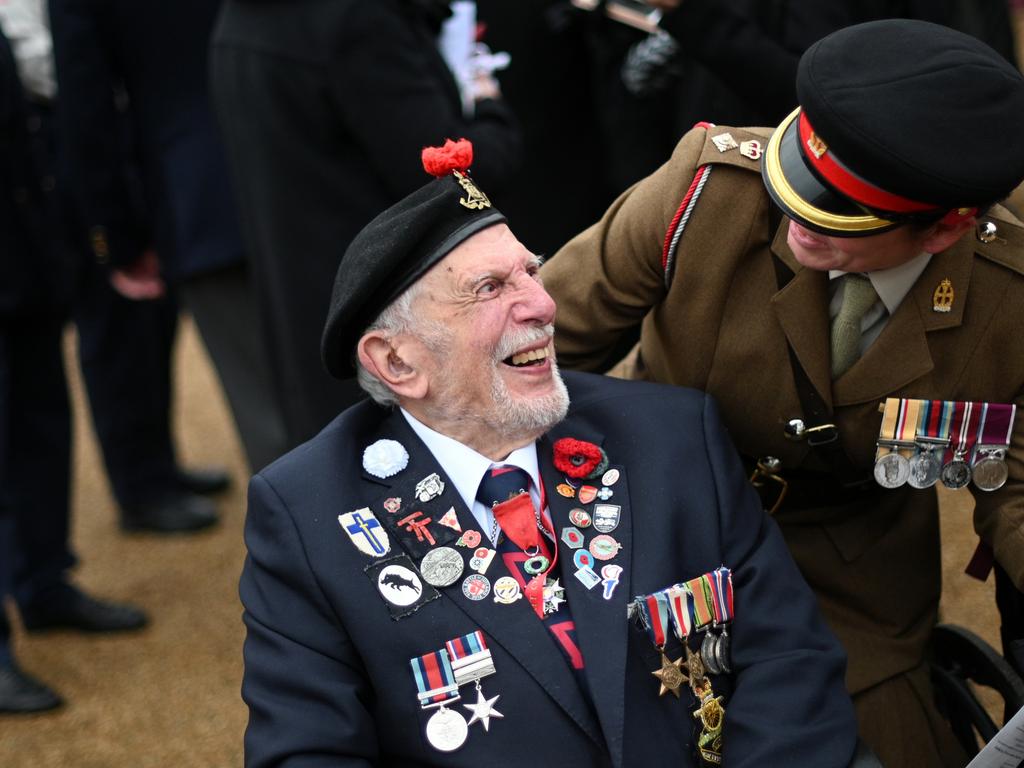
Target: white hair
{"x":397,"y":317}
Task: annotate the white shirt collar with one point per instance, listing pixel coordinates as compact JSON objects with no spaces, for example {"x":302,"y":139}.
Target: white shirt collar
{"x":892,"y":285}
{"x":465,"y":467}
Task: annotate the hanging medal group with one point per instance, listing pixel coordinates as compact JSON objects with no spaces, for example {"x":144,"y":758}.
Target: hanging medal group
{"x":440,"y":674}
{"x":922,"y":442}
{"x":699,"y":608}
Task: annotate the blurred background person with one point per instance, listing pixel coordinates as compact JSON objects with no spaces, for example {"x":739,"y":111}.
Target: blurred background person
{"x":325,"y":107}
{"x":149,"y":195}
{"x":35,"y":419}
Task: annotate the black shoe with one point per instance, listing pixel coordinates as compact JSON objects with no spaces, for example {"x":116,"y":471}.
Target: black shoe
{"x":177,"y":512}
{"x":20,"y":693}
{"x":67,"y":607}
{"x":204,"y":480}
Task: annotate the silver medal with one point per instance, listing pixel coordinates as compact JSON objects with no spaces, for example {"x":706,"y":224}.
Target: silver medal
{"x":989,"y":471}
{"x":925,"y":468}
{"x":447,"y":730}
{"x":441,"y":567}
{"x":722,"y":653}
{"x":956,"y":474}
{"x":707,"y":654}
{"x":892,"y":470}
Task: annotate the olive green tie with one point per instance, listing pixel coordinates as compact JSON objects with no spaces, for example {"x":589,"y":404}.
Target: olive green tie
{"x":858,"y":297}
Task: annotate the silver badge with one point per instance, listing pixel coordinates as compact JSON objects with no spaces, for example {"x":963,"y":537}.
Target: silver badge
{"x":611,"y":477}
{"x":892,"y":470}
{"x":430,"y":487}
{"x":441,"y":567}
{"x":956,"y":474}
{"x":989,"y":469}
{"x":722,"y":653}
{"x":447,"y":730}
{"x":606,"y":517}
{"x":724,"y":142}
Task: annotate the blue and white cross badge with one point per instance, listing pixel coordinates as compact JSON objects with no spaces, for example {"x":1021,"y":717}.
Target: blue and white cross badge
{"x":366,"y":532}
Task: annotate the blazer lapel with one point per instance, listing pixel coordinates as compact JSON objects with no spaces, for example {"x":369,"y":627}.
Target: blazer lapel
{"x":601,"y":626}
{"x":514,"y":627}
{"x":802,"y":310}
{"x":901,"y":353}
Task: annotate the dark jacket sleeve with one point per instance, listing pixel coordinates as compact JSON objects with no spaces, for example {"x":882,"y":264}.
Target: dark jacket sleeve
{"x":90,"y":131}
{"x":303,"y":682}
{"x":789,"y":704}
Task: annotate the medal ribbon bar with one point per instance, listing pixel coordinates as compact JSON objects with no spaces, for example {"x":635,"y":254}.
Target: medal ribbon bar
{"x":654,"y":610}
{"x":680,"y":608}
{"x":435,"y":679}
{"x":470,"y":657}
{"x":721,"y":579}
{"x":996,"y":425}
{"x":703,"y":602}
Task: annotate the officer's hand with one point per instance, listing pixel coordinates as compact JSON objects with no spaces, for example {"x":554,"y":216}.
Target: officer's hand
{"x":141,"y":281}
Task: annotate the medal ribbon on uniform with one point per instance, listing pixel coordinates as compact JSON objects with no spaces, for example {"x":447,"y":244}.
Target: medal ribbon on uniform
{"x":907,"y":420}
{"x":470,"y":657}
{"x":887,"y":432}
{"x":721,"y":593}
{"x":679,"y":599}
{"x":996,"y":424}
{"x":703,"y":602}
{"x":655,"y":611}
{"x":434,"y":679}
{"x":937,"y":419}
{"x":964,"y":430}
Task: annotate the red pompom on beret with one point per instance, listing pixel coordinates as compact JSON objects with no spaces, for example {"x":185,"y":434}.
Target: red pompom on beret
{"x":453,"y":156}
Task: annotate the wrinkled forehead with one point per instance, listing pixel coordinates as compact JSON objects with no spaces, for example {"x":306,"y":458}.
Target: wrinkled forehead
{"x":494,"y":250}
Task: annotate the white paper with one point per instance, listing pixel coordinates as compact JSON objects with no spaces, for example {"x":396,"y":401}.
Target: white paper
{"x":1006,"y":750}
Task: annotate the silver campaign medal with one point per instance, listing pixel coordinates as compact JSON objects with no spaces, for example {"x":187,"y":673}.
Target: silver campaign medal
{"x":892,"y":470}
{"x":708,"y":656}
{"x":925,"y":468}
{"x":990,"y":472}
{"x":447,"y":730}
{"x":956,"y":474}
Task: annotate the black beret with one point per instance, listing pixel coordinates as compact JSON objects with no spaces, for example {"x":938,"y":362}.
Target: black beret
{"x":898,"y":120}
{"x":395,"y":249}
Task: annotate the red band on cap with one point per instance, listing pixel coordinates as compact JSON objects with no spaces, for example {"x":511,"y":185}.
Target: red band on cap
{"x":853,"y":187}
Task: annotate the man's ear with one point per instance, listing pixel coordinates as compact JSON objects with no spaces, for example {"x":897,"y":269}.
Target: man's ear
{"x":944,"y":234}
{"x":386,"y":358}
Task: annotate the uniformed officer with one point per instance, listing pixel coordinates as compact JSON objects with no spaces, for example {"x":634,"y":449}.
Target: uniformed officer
{"x":812,"y":272}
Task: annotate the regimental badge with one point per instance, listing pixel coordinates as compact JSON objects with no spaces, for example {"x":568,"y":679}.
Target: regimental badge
{"x":711,"y":716}
{"x":451,"y":520}
{"x":606,"y":517}
{"x":588,"y":577}
{"x":392,"y":505}
{"x":816,"y":145}
{"x":610,"y":579}
{"x":481,"y":559}
{"x":572,"y":537}
{"x":604,"y":547}
{"x":430,"y":487}
{"x":554,"y":596}
{"x":580,"y":518}
{"x":416,"y":523}
{"x":751,"y":149}
{"x":582,"y":558}
{"x":942,"y":299}
{"x":475,"y":199}
{"x":400,"y":585}
{"x":507,"y":590}
{"x":366,"y":532}
{"x":476,"y":586}
{"x":724,"y":142}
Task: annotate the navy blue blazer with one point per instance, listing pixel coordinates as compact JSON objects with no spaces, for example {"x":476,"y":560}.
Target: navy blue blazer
{"x":327,"y":672}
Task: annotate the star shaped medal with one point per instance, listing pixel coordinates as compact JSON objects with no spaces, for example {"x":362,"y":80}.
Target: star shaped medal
{"x":654,"y":611}
{"x":484,"y":709}
{"x":671,"y":676}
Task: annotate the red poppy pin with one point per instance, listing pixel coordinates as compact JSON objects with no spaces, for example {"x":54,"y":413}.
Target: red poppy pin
{"x":579,"y":459}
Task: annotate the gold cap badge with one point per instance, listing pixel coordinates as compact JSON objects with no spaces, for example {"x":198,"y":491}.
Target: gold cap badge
{"x":942,"y":299}
{"x":475,"y":199}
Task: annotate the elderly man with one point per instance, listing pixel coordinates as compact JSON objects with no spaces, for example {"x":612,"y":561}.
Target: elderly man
{"x":598,"y":572}
{"x":863,"y":281}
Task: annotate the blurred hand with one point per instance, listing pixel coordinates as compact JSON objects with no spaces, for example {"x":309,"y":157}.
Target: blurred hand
{"x":141,"y":281}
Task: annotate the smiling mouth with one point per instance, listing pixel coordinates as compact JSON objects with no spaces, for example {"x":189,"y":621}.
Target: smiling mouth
{"x":531,"y":357}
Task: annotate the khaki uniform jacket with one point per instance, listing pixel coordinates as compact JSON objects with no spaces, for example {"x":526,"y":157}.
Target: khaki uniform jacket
{"x":716,"y":320}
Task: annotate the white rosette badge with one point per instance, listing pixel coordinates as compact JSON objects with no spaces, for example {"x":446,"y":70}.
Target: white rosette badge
{"x":385,"y":458}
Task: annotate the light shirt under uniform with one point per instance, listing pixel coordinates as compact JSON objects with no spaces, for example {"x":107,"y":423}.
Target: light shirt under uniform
{"x":892,"y":286}
{"x":465,"y":468}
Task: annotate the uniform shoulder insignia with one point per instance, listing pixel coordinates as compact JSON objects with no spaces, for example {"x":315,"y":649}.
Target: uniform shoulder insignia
{"x":741,"y":147}
{"x":999,"y":237}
